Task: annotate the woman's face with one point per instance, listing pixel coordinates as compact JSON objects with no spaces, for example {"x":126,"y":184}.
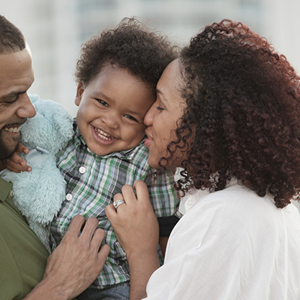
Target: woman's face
{"x":162,"y":117}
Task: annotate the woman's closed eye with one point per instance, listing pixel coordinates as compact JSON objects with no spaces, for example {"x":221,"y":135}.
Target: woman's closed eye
{"x":160,"y":105}
{"x":159,"y":108}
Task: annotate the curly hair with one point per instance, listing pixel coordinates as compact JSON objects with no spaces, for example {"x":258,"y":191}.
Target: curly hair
{"x":243,"y":112}
{"x":130,"y":45}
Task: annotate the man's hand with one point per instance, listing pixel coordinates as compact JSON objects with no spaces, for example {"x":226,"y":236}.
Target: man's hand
{"x":75,"y":263}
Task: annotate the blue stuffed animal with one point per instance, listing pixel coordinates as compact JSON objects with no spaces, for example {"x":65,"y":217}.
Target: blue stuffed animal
{"x":39,"y":194}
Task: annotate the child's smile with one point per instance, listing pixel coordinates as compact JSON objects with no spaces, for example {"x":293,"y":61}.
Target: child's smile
{"x":104,"y":137}
{"x":111,"y":110}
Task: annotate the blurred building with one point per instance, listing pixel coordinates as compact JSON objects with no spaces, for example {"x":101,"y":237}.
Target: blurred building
{"x":55,"y":29}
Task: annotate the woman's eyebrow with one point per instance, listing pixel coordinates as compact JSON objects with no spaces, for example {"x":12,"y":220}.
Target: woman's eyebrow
{"x":162,"y":94}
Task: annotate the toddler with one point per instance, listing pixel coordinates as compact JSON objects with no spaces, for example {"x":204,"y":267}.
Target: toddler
{"x":116,"y":75}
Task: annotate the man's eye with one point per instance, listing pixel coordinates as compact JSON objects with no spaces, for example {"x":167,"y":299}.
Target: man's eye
{"x":13,"y":100}
{"x":131,"y":118}
{"x":159,"y":108}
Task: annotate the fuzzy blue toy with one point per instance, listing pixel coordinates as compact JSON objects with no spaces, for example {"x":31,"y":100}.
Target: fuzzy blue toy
{"x":39,"y":194}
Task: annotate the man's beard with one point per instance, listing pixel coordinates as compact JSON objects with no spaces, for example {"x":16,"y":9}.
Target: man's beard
{"x":5,"y":152}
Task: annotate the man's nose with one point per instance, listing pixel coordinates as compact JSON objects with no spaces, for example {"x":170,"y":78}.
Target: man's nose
{"x":26,"y":109}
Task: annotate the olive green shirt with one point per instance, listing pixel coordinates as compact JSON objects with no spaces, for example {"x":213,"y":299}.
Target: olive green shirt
{"x":23,"y":257}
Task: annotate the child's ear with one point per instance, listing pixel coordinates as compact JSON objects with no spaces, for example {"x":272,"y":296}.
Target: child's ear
{"x":79,"y":92}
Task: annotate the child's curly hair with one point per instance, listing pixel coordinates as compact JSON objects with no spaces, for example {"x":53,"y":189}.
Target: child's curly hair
{"x":243,"y":110}
{"x":130,"y":45}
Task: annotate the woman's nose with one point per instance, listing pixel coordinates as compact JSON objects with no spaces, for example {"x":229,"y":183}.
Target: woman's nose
{"x":148,"y":120}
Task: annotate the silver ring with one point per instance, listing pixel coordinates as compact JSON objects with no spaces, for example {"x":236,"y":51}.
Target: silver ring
{"x":117,"y":203}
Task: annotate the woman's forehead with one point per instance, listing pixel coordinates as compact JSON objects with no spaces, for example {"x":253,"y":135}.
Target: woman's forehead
{"x":171,"y":81}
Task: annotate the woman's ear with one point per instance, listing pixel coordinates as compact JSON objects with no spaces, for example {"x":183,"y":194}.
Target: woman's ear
{"x":79,"y":92}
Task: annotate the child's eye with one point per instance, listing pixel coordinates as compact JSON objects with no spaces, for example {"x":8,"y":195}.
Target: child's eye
{"x":131,"y":118}
{"x":102,"y":102}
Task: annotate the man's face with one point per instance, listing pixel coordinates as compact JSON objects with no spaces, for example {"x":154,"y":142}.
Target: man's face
{"x":16,"y":76}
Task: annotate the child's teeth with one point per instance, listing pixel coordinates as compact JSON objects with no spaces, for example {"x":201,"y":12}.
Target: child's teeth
{"x":104,"y":135}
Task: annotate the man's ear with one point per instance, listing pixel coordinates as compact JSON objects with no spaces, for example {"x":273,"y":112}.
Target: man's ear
{"x":79,"y":92}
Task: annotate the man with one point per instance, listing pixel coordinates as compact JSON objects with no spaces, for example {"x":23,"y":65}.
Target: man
{"x":24,"y":261}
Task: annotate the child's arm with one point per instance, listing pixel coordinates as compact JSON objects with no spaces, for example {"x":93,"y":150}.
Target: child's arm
{"x":3,"y":164}
{"x":164,"y":199}
{"x":166,"y":224}
{"x":16,"y":163}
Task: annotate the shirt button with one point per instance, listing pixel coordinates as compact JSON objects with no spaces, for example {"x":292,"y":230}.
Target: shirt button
{"x":11,"y":193}
{"x":69,"y":197}
{"x":189,"y":202}
{"x":82,"y":170}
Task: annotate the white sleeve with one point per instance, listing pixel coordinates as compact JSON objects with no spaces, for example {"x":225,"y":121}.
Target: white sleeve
{"x":223,"y":248}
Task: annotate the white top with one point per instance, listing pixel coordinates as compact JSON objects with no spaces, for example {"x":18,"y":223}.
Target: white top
{"x":231,"y":245}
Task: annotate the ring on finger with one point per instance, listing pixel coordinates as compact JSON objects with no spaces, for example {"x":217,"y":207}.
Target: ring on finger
{"x":117,"y":203}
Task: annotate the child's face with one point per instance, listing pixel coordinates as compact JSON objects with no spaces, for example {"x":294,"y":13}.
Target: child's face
{"x":111,"y":110}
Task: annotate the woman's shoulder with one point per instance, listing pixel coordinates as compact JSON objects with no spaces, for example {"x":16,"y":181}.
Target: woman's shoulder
{"x":233,"y":209}
{"x":234,"y":198}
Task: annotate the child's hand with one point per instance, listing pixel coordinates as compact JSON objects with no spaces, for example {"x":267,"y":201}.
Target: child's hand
{"x":16,"y":163}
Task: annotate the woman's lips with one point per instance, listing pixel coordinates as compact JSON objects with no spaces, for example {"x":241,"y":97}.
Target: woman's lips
{"x":147,"y":142}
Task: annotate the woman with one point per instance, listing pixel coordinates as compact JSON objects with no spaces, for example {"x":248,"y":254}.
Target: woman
{"x":227,"y":112}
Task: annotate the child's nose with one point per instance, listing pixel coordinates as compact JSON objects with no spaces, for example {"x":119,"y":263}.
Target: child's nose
{"x":111,"y":121}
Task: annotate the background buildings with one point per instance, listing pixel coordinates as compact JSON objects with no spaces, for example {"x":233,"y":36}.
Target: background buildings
{"x":55,"y":29}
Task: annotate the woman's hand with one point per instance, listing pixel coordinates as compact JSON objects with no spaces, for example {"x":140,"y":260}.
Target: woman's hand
{"x":136,"y":227}
{"x":134,"y":222}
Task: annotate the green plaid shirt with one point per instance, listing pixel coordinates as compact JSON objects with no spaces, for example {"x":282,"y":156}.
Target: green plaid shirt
{"x":92,"y":181}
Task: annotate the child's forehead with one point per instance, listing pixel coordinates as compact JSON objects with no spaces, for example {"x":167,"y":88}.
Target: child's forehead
{"x":112,"y":69}
{"x":113,"y":79}
{"x":118,"y":87}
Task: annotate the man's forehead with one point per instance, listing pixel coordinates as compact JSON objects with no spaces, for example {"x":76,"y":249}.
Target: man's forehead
{"x":16,"y":74}
{"x":28,"y":49}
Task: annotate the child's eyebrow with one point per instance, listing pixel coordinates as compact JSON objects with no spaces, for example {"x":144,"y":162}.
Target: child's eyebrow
{"x":131,"y":112}
{"x":101,"y":95}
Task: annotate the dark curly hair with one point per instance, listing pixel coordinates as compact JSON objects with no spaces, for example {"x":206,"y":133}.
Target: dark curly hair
{"x":243,"y":114}
{"x":132,"y":46}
